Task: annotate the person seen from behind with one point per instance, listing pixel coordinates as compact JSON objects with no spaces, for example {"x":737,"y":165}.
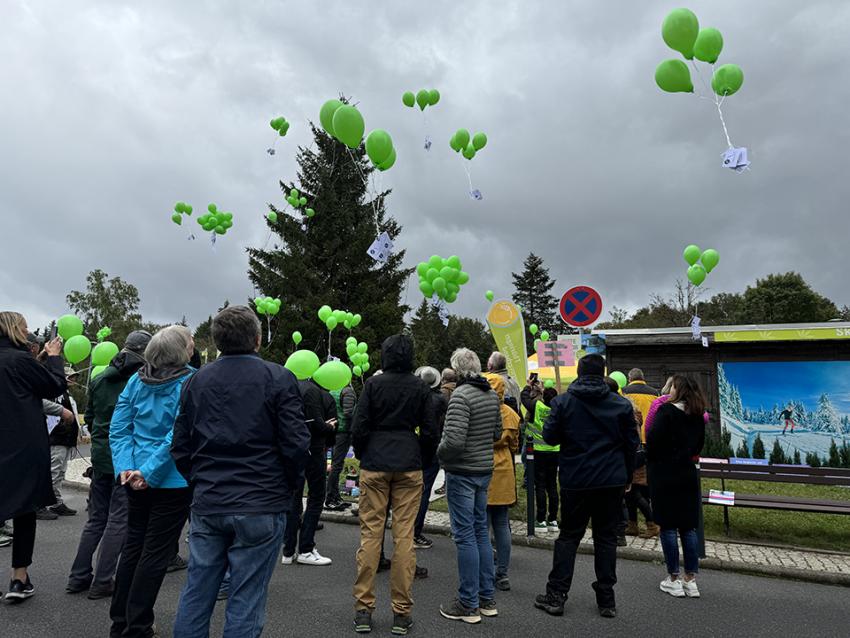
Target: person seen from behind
{"x":429,"y":472}
{"x":538,"y":407}
{"x":346,"y":401}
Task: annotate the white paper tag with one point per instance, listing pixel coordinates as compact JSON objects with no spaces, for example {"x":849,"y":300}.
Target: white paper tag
{"x":442,"y":311}
{"x":696,"y":333}
{"x":705,"y":342}
{"x":718,"y":497}
{"x":381,"y":249}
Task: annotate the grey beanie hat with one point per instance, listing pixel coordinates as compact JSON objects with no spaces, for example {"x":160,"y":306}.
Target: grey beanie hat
{"x":137,"y":341}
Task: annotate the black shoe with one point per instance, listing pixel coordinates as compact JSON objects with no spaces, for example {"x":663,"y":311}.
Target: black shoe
{"x":487,"y":607}
{"x":621,"y":541}
{"x":62,"y":510}
{"x":335,"y":505}
{"x":441,"y":491}
{"x":363,"y":621}
{"x":503,"y":584}
{"x":97,"y":593}
{"x":455,"y":610}
{"x":421,"y":572}
{"x":608,"y":612}
{"x":422,"y":542}
{"x":384,"y":564}
{"x":77,"y":588}
{"x":551,"y":603}
{"x":177,"y":563}
{"x":7,"y":530}
{"x":320,"y":526}
{"x":5,"y":541}
{"x":19,"y":591}
{"x":401,"y":624}
{"x":45,"y":514}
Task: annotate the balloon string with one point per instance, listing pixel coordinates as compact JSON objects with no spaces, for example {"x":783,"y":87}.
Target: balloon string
{"x":365,"y":182}
{"x":718,"y":101}
{"x":468,"y":174}
{"x":269,"y":330}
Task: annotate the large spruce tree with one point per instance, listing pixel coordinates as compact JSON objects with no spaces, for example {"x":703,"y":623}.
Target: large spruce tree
{"x":327,"y":263}
{"x":534,"y":294}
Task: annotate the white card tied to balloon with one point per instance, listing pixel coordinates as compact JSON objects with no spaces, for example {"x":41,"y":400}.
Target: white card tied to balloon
{"x":736,"y":159}
{"x":381,"y":249}
{"x":696,"y":331}
{"x":442,"y":311}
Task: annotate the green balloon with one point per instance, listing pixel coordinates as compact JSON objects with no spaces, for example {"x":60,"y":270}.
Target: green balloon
{"x":489,"y":295}
{"x":77,"y":348}
{"x":302,"y":201}
{"x":439,"y":284}
{"x":348,"y":125}
{"x":95,"y":371}
{"x":177,"y":218}
{"x":433,"y":97}
{"x":544,"y":336}
{"x":620,"y":378}
{"x":435,"y":261}
{"x":379,"y":145}
{"x":469,"y":152}
{"x":362,"y":347}
{"x":351,"y":349}
{"x":426,"y":288}
{"x":421,"y":268}
{"x":462,"y":277}
{"x":302,"y":363}
{"x":462,"y":137}
{"x":696,"y":274}
{"x":103,"y":353}
{"x":453,"y":262}
{"x":69,"y":326}
{"x":533,"y":329}
{"x":408,"y":99}
{"x":708,"y":46}
{"x":310,"y":212}
{"x":727,"y":79}
{"x":212,"y":208}
{"x":454,"y":144}
{"x":272,"y":217}
{"x":387,"y":163}
{"x":479,"y":141}
{"x":187,"y":209}
{"x":674,"y":76}
{"x":331,"y":323}
{"x":365,"y":367}
{"x":710,"y":258}
{"x":333,"y":375}
{"x":692,"y":254}
{"x":351,"y":340}
{"x":357,"y":371}
{"x":548,"y":383}
{"x":431,"y":275}
{"x":324,"y":313}
{"x":355,"y":320}
{"x":680,"y":30}
{"x":283,"y":129}
{"x":423,"y":98}
{"x":326,"y":115}
{"x":296,"y":337}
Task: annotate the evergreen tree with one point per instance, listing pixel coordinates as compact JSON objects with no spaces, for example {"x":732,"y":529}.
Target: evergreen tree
{"x":742,"y":452}
{"x":825,"y":418}
{"x":777,"y":455}
{"x":534,"y":294}
{"x":434,"y":343}
{"x":323,"y":259}
{"x":797,"y":460}
{"x":844,"y":454}
{"x":758,"y":447}
{"x":726,"y":450}
{"x":812,"y":459}
{"x":834,"y":456}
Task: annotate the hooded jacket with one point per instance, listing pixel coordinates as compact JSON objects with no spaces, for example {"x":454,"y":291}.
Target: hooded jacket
{"x":143,"y":424}
{"x":319,"y":407}
{"x":24,"y":453}
{"x":473,"y":424}
{"x":391,"y":408}
{"x":596,"y":431}
{"x":103,"y":396}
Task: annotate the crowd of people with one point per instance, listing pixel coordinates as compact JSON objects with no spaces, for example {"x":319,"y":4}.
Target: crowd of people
{"x":231,"y":445}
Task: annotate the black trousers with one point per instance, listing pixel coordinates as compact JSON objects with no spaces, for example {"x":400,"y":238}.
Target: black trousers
{"x":300,"y":531}
{"x":155,"y":519}
{"x":23,"y":542}
{"x":638,"y":499}
{"x":603,"y":508}
{"x":341,"y":446}
{"x":546,"y":485}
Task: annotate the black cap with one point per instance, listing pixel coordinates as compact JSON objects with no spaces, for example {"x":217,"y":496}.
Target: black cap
{"x":137,"y":341}
{"x":591,"y":364}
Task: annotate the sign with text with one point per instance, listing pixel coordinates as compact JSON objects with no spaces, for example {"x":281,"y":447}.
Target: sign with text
{"x":508,"y":330}
{"x":555,"y":354}
{"x":718,"y":497}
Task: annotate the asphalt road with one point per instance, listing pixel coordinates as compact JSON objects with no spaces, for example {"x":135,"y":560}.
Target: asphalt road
{"x":316,"y":601}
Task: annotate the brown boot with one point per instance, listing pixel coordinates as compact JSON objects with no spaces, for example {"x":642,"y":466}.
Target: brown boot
{"x":652,"y":530}
{"x":632,"y":529}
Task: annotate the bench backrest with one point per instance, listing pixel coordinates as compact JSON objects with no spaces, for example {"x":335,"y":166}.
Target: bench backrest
{"x":776,"y":473}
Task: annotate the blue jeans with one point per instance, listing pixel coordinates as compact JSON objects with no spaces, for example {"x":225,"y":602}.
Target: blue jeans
{"x":670,"y":546}
{"x":467,"y":501}
{"x":246,"y":544}
{"x":501,"y":524}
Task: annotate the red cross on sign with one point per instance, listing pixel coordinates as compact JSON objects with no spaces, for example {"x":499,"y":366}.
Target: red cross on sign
{"x":580,"y":306}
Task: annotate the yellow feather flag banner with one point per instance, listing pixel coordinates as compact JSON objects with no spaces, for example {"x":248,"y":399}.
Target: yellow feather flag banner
{"x":508,"y":330}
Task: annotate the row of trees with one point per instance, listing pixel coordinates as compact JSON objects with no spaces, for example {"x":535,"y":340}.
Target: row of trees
{"x":720,"y":447}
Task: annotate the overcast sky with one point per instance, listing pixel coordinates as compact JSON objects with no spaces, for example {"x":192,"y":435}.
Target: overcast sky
{"x":112,"y":111}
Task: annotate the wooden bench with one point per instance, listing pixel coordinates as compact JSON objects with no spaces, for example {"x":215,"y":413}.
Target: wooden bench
{"x":777,"y":474}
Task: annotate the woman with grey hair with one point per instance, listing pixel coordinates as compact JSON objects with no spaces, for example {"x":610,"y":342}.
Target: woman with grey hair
{"x":158,"y":497}
{"x":473,"y":423}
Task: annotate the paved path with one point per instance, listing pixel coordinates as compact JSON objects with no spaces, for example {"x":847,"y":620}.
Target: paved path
{"x":316,"y":601}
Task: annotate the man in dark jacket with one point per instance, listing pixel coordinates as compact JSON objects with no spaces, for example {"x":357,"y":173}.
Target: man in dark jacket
{"x":346,"y":401}
{"x":107,"y":524}
{"x":240,"y":441}
{"x":596,"y":431}
{"x":299,"y":544}
{"x":391,"y":408}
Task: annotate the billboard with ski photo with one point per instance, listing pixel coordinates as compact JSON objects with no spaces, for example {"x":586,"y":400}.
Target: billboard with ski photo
{"x":802,"y":405}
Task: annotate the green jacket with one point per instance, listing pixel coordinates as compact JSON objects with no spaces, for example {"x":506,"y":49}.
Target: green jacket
{"x":535,"y":428}
{"x":103,"y":395}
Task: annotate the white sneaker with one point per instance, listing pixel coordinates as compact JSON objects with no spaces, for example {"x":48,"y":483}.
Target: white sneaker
{"x":690,"y":588}
{"x":553,"y":526}
{"x":313,"y":558}
{"x":287,"y":560}
{"x":673,"y":587}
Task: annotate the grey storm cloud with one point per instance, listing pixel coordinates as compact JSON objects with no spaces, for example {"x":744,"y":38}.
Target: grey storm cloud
{"x":112,"y":111}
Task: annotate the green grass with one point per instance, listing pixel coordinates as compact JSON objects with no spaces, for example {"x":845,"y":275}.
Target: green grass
{"x":815,"y":531}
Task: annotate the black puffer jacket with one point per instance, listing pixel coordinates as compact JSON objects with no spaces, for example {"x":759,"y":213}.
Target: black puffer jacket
{"x":319,"y":407}
{"x":393,"y":405}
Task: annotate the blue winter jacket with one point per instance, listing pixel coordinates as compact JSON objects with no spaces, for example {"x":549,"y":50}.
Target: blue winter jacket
{"x":142,"y":427}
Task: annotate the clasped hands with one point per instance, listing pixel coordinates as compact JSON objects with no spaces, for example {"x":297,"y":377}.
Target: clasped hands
{"x":134,"y":479}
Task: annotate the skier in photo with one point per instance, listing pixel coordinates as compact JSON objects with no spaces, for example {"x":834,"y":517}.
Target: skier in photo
{"x":788,"y":415}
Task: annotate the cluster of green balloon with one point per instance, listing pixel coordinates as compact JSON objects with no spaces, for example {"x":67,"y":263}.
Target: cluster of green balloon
{"x":620,"y":378}
{"x":77,"y":347}
{"x":441,"y":276}
{"x":334,"y":318}
{"x":544,"y":335}
{"x":468,"y":146}
{"x":215,"y":220}
{"x":681,"y":32}
{"x":103,"y":333}
{"x":303,"y":364}
{"x":280,"y":125}
{"x":342,"y":122}
{"x":423,"y":98}
{"x":267,"y":306}
{"x":358,"y":354}
{"x":700,"y":263}
{"x":379,"y":148}
{"x":180,"y":209}
{"x":296,"y":200}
